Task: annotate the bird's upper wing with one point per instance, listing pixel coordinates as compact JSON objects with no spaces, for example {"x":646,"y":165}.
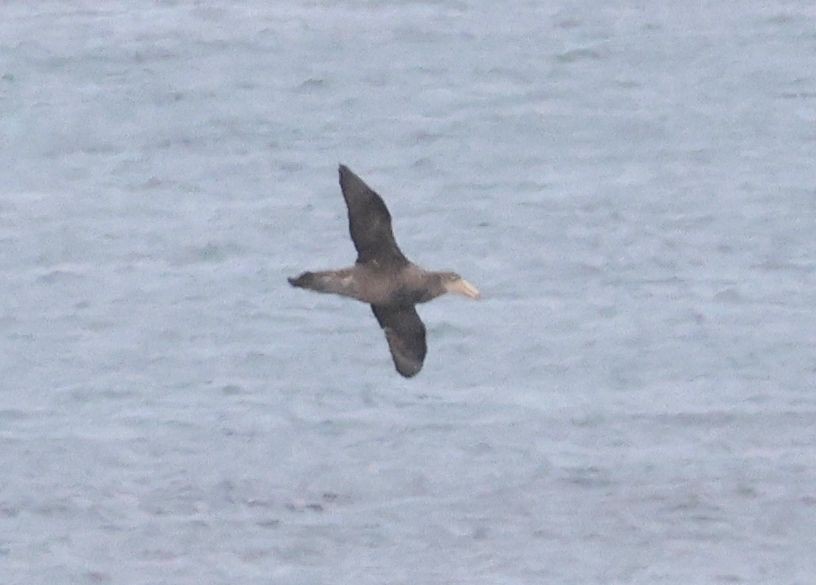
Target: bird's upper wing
{"x":369,"y":222}
{"x":405,"y":333}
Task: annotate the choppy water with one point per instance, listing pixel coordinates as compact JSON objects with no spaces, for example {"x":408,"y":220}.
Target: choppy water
{"x":633,"y":189}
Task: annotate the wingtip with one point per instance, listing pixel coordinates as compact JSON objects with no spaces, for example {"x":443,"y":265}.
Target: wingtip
{"x":347,"y":176}
{"x":408,"y":373}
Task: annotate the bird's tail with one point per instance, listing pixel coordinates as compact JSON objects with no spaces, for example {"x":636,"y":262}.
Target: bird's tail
{"x":305,"y":280}
{"x":338,"y":282}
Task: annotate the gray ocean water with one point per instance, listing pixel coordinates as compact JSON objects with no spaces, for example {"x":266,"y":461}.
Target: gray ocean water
{"x":631,"y":185}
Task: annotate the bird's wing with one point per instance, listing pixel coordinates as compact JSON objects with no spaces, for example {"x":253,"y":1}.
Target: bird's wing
{"x":405,"y":333}
{"x":369,"y":222}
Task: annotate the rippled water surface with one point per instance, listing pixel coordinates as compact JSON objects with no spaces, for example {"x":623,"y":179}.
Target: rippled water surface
{"x":633,"y":189}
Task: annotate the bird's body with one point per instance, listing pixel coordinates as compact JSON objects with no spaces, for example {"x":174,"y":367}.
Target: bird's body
{"x":383,"y":277}
{"x":408,"y":285}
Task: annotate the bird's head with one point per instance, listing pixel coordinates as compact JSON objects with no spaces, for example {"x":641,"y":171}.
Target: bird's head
{"x":453,"y":283}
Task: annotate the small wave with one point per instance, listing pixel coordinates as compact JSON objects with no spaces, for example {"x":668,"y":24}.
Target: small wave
{"x":575,"y":55}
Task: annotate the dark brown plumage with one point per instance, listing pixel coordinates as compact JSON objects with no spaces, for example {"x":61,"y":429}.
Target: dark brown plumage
{"x":383,"y":277}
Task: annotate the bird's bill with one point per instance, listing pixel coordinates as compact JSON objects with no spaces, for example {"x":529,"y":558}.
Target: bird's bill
{"x":463,"y":287}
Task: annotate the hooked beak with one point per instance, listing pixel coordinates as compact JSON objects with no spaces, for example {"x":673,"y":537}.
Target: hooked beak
{"x":463,"y":287}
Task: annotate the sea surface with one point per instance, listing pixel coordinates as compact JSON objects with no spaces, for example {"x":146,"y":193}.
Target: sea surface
{"x":632,"y":186}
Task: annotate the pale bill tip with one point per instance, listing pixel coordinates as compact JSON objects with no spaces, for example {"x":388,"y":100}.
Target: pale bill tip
{"x":463,"y":287}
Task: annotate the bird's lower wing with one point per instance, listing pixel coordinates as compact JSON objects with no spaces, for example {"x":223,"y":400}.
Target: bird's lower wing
{"x":405,"y":333}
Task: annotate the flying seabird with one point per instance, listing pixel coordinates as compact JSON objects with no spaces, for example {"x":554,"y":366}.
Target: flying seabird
{"x":383,"y":277}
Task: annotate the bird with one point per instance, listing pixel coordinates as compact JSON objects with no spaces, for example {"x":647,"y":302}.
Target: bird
{"x":383,"y":277}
